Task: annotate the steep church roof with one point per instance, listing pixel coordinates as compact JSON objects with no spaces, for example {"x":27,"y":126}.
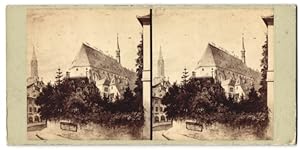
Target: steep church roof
{"x":89,"y":56}
{"x":215,"y":57}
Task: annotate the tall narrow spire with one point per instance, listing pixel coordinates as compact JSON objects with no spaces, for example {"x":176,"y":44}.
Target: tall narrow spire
{"x":118,"y":47}
{"x":160,"y":53}
{"x":243,"y":51}
{"x":118,"y":51}
{"x":160,"y":65}
{"x":33,"y":54}
{"x":34,"y":65}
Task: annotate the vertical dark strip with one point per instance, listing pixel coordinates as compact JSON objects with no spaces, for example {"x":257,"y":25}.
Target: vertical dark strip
{"x":151,"y":26}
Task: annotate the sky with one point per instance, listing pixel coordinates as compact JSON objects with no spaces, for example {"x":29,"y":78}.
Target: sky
{"x":183,"y":35}
{"x":56,"y":34}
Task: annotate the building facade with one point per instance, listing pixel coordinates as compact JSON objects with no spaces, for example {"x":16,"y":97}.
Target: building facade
{"x":34,"y":88}
{"x":110,"y":77}
{"x":236,"y":78}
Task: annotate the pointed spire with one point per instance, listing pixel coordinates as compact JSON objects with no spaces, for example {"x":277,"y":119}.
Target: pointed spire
{"x":118,"y":47}
{"x":34,"y":65}
{"x":33,"y":54}
{"x":118,"y":57}
{"x":243,"y":51}
{"x":160,"y":65}
{"x":243,"y":45}
{"x":160,"y":53}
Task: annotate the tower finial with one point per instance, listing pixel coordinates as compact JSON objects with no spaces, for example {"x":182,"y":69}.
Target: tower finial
{"x":243,"y":45}
{"x":118,"y":57}
{"x":160,"y":65}
{"x":33,"y":54}
{"x":118,"y":47}
{"x":243,"y":51}
{"x":160,"y":52}
{"x":34,"y":65}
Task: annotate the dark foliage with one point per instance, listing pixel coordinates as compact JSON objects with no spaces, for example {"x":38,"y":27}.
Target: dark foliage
{"x":138,"y":97}
{"x":264,"y":68}
{"x":58,"y":77}
{"x":79,"y":101}
{"x":204,"y":100}
{"x":184,"y":76}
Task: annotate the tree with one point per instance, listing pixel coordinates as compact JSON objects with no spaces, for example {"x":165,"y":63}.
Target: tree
{"x":184,"y":76}
{"x":253,"y":96}
{"x":264,"y":68}
{"x":46,"y":102}
{"x":58,"y":77}
{"x":128,"y":95}
{"x":139,"y":72}
{"x":171,"y":101}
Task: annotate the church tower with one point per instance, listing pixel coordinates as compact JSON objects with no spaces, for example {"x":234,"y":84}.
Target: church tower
{"x":160,"y":65}
{"x":243,"y":51}
{"x":34,"y":65}
{"x":118,"y":57}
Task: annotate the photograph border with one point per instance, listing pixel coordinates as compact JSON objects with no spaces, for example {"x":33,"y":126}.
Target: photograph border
{"x":284,"y":131}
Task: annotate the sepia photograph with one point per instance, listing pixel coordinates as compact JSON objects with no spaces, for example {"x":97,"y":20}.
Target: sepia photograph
{"x":212,"y":74}
{"x":85,"y":74}
{"x":151,"y":75}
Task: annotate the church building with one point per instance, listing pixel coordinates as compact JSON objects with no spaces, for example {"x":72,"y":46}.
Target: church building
{"x":110,"y":77}
{"x":159,"y":89}
{"x":34,"y":87}
{"x":235,"y":76}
